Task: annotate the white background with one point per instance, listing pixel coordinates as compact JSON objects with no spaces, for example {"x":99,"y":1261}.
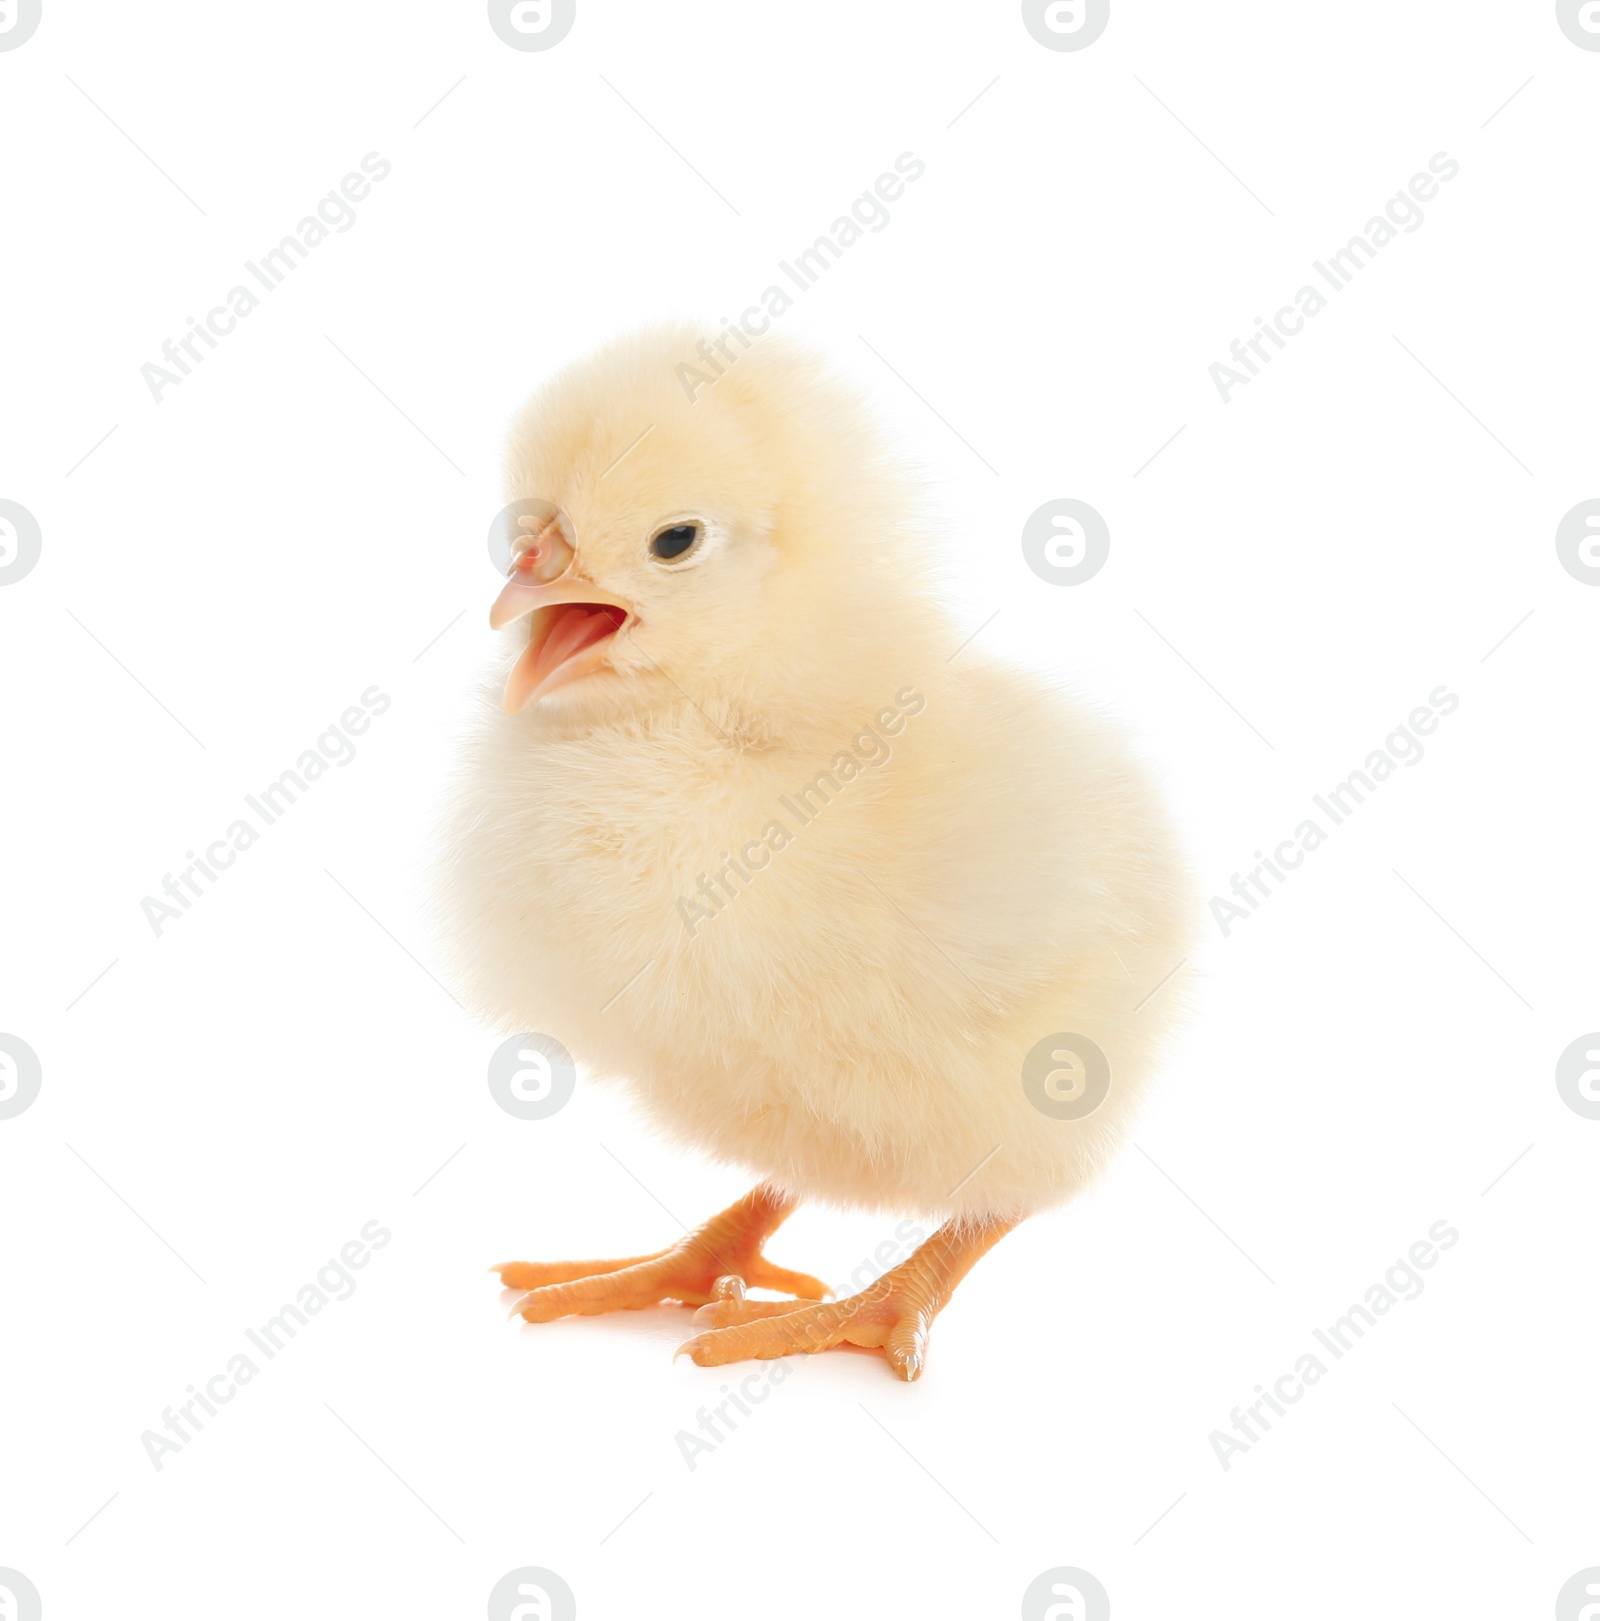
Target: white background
{"x":282,"y":532}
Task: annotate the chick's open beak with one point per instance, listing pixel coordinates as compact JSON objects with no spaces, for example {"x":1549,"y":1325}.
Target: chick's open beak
{"x":571,"y":625}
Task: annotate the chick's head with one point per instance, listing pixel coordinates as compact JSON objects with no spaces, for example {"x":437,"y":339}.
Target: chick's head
{"x":734,"y":537}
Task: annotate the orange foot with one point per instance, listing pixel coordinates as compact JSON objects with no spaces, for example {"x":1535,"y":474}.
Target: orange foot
{"x":894,"y":1314}
{"x":728,"y":1247}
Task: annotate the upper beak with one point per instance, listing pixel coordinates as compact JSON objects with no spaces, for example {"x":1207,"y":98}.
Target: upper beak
{"x":540,"y":560}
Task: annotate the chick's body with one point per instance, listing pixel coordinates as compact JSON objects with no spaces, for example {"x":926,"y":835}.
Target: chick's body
{"x":809,"y":880}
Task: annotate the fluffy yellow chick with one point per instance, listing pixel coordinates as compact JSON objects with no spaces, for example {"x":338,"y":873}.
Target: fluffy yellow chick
{"x":842,"y":902}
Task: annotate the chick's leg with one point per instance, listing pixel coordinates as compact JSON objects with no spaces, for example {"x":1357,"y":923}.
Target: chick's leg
{"x":714,"y":1261}
{"x":894,"y":1314}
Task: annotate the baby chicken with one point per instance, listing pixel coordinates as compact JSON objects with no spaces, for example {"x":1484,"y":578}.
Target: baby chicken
{"x":842,"y":900}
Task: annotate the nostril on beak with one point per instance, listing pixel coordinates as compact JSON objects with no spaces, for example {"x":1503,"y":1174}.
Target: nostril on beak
{"x":531,"y":541}
{"x":543,"y":552}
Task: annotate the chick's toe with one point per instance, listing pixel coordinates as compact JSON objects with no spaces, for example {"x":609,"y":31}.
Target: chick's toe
{"x":893,"y":1314}
{"x":714,"y":1262}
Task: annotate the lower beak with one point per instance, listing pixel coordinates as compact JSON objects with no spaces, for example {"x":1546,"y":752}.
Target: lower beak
{"x":570,"y":633}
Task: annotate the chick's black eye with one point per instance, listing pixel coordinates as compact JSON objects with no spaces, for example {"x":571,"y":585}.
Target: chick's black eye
{"x":675,"y":542}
